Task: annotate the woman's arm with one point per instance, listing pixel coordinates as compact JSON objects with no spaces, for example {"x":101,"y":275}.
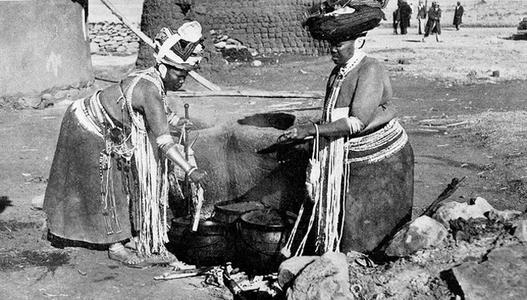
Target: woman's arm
{"x":151,"y":103}
{"x":366,"y":106}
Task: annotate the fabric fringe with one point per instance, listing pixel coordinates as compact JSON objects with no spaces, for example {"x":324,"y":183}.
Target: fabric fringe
{"x":152,"y":178}
{"x":327,"y":196}
{"x":150,"y":207}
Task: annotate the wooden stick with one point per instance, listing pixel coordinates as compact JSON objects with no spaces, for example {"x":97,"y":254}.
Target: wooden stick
{"x":245,"y":93}
{"x":429,"y":211}
{"x":202,"y":80}
{"x":447,"y":192}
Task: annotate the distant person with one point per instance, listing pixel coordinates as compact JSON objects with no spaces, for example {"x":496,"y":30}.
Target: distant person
{"x":458,"y":15}
{"x":396,"y":20}
{"x":421,"y":16}
{"x":433,"y":25}
{"x":405,"y":13}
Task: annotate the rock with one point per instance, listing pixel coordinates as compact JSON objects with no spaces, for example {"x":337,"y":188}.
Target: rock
{"x":61,"y":94}
{"x":37,"y":202}
{"x":220,"y":45}
{"x":324,"y":279}
{"x":29,"y":101}
{"x":501,"y":276}
{"x":503,"y":215}
{"x":291,"y":267}
{"x":453,"y":210}
{"x":520,"y":230}
{"x":422,"y":233}
{"x":121,"y":49}
{"x":239,"y":55}
{"x":94,"y":48}
{"x":256,"y":63}
{"x":46,"y":97}
{"x":253,"y":52}
{"x":229,"y":46}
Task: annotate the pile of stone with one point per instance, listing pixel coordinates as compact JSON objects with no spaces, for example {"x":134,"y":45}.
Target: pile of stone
{"x":464,"y":250}
{"x":232,"y":49}
{"x":108,"y":38}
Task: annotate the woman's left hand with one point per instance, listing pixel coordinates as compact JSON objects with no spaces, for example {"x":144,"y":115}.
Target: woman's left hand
{"x":298,"y":132}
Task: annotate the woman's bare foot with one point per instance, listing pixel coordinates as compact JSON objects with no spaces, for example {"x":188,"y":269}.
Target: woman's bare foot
{"x":161,"y":259}
{"x":132,"y":244}
{"x":127,"y":257}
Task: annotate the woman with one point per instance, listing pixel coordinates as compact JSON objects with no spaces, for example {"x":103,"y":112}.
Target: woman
{"x":433,"y":25}
{"x":364,"y":167}
{"x":108,"y":181}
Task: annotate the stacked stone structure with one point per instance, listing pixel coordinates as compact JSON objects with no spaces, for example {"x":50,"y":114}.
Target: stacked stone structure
{"x":268,"y":26}
{"x":108,"y":38}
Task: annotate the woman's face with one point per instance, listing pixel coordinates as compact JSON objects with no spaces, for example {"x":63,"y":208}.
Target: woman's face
{"x":341,"y":52}
{"x":175,"y":78}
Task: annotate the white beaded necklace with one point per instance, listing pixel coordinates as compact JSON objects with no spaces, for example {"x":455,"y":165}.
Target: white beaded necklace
{"x":357,"y":57}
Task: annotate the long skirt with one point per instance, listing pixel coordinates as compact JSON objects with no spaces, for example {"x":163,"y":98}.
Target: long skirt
{"x":73,"y":203}
{"x":432,"y":26}
{"x":379,"y":196}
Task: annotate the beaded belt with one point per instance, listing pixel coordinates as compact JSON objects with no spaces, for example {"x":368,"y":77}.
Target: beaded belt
{"x":376,"y":146}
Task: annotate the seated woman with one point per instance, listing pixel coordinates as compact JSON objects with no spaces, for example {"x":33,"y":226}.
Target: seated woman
{"x":108,"y":181}
{"x":362,"y":171}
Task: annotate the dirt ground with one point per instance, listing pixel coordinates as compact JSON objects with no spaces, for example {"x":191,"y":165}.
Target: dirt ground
{"x":448,"y":82}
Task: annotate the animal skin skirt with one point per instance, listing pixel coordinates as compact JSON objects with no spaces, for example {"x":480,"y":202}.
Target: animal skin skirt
{"x":379,"y":189}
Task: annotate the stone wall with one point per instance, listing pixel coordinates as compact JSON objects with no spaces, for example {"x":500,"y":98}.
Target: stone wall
{"x":109,"y":38}
{"x":268,"y":26}
{"x":44,"y":46}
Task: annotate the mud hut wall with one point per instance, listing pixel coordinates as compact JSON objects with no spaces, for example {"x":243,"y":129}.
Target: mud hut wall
{"x":43,"y":45}
{"x":268,"y":26}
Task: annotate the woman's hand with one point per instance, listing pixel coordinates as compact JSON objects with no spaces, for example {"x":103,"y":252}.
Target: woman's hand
{"x":178,"y":122}
{"x":298,"y":132}
{"x":184,"y":122}
{"x":198,"y":176}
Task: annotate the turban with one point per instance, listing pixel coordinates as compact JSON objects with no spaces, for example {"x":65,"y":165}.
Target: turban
{"x":181,"y":49}
{"x":345,"y":19}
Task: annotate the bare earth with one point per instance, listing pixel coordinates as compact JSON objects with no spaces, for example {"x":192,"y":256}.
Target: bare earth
{"x":448,"y":81}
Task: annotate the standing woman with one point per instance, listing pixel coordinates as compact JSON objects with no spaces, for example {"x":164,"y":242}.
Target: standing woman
{"x":108,"y":180}
{"x":365,"y":163}
{"x":433,"y":25}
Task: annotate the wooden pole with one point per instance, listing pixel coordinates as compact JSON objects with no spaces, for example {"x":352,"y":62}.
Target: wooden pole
{"x":202,"y":80}
{"x":245,"y":93}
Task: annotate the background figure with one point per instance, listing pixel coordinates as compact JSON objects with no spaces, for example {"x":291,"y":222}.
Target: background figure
{"x":396,"y":20}
{"x":433,"y":25}
{"x":458,"y":15}
{"x":405,"y":13}
{"x":421,"y":16}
